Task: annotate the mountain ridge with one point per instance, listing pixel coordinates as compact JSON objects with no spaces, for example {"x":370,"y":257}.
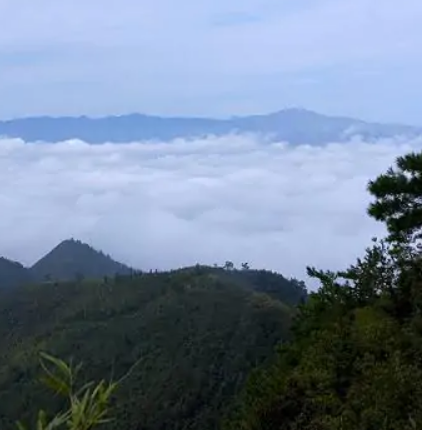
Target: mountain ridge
{"x":297,"y":126}
{"x":13,"y":273}
{"x":70,"y":259}
{"x":74,"y":260}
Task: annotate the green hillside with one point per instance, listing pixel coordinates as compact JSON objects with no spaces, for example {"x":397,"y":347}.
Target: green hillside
{"x":197,"y":333}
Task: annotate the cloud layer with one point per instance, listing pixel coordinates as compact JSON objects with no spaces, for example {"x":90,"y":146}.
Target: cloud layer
{"x":182,"y":202}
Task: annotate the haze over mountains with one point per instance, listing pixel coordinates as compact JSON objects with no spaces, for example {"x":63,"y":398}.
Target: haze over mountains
{"x":296,"y":126}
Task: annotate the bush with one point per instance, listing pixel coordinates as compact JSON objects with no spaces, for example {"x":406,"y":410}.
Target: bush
{"x":88,"y":406}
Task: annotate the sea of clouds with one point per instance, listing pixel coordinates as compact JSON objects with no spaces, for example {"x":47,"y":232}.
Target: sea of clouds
{"x":165,"y":205}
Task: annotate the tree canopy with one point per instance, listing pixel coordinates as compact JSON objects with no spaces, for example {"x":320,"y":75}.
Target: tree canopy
{"x":196,"y":332}
{"x":356,"y":358}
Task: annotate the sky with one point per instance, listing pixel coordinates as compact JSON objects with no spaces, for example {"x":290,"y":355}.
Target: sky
{"x":211,"y":57}
{"x":171,"y":204}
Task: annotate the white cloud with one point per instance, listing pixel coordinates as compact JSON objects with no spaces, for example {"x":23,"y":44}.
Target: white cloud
{"x":171,"y":204}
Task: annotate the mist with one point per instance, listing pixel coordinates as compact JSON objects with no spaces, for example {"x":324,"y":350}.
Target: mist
{"x":171,"y":204}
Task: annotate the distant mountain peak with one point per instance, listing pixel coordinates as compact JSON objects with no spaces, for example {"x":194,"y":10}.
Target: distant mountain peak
{"x":296,"y":111}
{"x":73,"y":258}
{"x":72,"y":242}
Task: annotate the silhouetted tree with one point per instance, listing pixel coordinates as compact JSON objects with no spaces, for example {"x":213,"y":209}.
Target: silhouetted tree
{"x":228,"y":265}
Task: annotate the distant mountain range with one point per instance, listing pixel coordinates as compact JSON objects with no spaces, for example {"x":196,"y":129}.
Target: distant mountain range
{"x":70,"y":260}
{"x":297,"y":126}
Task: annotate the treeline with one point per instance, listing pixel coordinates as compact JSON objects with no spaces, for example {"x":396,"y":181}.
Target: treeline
{"x":356,"y":359}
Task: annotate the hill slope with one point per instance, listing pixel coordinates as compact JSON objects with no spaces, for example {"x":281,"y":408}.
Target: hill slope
{"x":288,"y":291}
{"x":13,"y":273}
{"x":198,"y":336}
{"x":293,"y":125}
{"x":71,"y":259}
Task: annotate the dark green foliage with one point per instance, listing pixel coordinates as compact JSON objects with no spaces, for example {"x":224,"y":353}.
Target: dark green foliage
{"x":355,"y":362}
{"x":289,"y":291}
{"x":86,"y":406}
{"x":72,"y":259}
{"x":12,"y":274}
{"x":398,"y":196}
{"x":197,"y":333}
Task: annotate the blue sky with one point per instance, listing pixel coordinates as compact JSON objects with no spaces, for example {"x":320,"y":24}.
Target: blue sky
{"x":211,"y":58}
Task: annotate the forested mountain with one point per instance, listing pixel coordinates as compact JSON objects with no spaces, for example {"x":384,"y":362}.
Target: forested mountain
{"x":12,"y":273}
{"x":297,"y":126}
{"x":71,"y":259}
{"x":197,"y":333}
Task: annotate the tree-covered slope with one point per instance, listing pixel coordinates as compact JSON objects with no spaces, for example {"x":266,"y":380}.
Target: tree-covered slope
{"x":71,"y":259}
{"x":355,"y":361}
{"x":289,"y":291}
{"x":196,"y":334}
